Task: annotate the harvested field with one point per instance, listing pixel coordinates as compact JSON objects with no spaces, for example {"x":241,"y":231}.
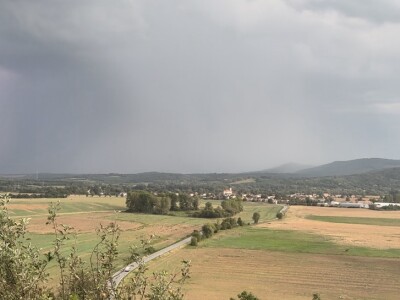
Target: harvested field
{"x":380,"y":237}
{"x":81,"y":222}
{"x":223,"y":273}
{"x":301,"y":211}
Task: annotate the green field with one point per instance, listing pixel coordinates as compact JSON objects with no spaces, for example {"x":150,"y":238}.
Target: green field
{"x":289,"y":241}
{"x":356,"y":220}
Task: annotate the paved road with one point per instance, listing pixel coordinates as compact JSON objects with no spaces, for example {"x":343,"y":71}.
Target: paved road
{"x":120,"y":275}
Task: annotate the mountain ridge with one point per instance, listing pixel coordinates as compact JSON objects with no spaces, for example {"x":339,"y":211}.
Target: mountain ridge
{"x":350,"y":167}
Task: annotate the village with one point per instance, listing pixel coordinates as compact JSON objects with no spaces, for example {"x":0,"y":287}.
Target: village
{"x":323,"y":200}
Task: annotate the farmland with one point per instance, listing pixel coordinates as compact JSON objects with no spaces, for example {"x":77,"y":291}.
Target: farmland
{"x":220,"y":273}
{"x":372,"y":234}
{"x":297,"y":256}
{"x":85,"y":214}
{"x":340,"y":253}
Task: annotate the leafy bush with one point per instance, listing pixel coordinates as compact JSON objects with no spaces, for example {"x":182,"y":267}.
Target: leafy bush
{"x":245,"y":296}
{"x":196,"y":234}
{"x":228,"y":223}
{"x":256,"y":217}
{"x":208,"y":230}
{"x":193,"y":241}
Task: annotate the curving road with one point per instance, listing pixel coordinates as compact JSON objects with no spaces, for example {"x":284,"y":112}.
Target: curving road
{"x":120,"y":275}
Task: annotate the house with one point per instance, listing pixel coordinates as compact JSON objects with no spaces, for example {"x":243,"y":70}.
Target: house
{"x":228,"y":193}
{"x":382,"y":204}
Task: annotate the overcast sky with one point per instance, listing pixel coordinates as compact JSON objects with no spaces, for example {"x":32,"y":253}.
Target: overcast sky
{"x":196,"y":86}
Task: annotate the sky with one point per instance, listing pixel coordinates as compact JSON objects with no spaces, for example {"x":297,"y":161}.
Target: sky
{"x":196,"y":86}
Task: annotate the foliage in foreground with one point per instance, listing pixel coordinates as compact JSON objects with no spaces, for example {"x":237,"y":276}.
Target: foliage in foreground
{"x":23,"y":273}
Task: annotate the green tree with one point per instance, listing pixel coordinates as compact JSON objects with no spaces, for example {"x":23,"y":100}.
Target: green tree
{"x":208,"y":230}
{"x":145,"y":202}
{"x":256,"y":217}
{"x":162,"y":206}
{"x":232,"y":206}
{"x":196,"y":234}
{"x":174,"y":201}
{"x":208,"y":206}
{"x":185,"y":202}
{"x":195,"y":203}
{"x":140,"y":201}
{"x":193,"y":241}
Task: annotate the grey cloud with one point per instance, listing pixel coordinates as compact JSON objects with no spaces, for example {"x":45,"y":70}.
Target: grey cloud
{"x":200,"y":86}
{"x":380,"y":11}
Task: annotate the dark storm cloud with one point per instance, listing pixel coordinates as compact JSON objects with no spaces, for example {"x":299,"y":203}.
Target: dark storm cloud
{"x":195,"y":86}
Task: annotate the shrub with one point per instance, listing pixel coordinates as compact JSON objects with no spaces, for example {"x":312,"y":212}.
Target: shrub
{"x":208,"y":230}
{"x":279,"y":215}
{"x":316,"y":296}
{"x":228,"y":223}
{"x":245,"y":296}
{"x":149,"y":250}
{"x":256,"y":217}
{"x":196,"y":234}
{"x":193,"y":241}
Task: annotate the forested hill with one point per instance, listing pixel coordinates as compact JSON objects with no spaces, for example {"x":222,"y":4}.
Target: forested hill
{"x":49,"y":185}
{"x":351,"y":167}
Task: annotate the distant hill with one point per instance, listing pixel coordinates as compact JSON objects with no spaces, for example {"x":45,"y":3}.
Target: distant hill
{"x":287,"y":168}
{"x":362,"y":176}
{"x":350,"y":167}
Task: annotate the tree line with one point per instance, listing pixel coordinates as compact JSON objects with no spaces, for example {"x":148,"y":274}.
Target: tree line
{"x":228,"y":208}
{"x":146,"y":202}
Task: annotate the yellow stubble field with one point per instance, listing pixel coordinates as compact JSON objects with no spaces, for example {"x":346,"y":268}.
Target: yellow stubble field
{"x":220,"y":272}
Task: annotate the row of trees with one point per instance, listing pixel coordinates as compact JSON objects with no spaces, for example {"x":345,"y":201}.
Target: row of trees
{"x":209,"y":229}
{"x":228,"y":208}
{"x":146,"y":202}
